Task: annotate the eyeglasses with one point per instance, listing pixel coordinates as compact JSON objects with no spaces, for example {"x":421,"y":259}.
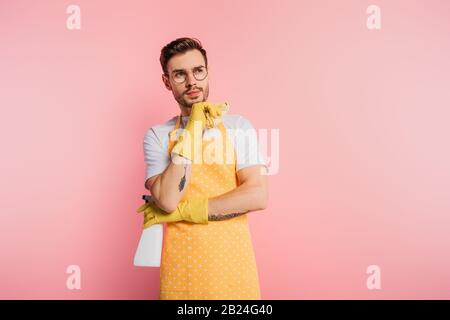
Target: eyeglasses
{"x":179,"y":76}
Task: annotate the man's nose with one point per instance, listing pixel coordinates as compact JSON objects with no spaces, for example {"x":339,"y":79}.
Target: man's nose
{"x":190,"y":80}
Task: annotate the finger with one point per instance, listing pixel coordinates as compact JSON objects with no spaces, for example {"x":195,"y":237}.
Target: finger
{"x":142,"y":207}
{"x":147,"y":220}
{"x":216,"y":111}
{"x":149,"y":223}
{"x":148,"y":213}
{"x":209,"y":120}
{"x":220,"y":109}
{"x":223,"y":107}
{"x":207,"y":113}
{"x":209,"y":123}
{"x":151,"y":210}
{"x":206,"y":107}
{"x":149,"y":216}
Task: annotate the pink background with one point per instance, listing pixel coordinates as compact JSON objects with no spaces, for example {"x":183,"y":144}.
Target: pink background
{"x":364,"y":173}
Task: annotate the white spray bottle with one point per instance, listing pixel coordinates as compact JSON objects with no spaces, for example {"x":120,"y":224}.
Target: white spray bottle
{"x":148,"y":253}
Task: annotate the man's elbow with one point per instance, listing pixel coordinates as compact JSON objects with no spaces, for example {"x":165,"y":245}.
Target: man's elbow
{"x":167,"y":205}
{"x":263,"y":199}
{"x":163,"y":202}
{"x":262,"y":204}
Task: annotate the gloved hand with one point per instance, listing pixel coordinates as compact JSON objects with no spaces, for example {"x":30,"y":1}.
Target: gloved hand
{"x":192,"y":210}
{"x":203,"y":115}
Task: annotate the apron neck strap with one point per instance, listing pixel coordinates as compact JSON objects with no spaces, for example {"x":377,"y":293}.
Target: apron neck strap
{"x":177,"y":125}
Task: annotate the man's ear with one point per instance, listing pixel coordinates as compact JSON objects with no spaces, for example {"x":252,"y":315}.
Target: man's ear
{"x":166,"y":82}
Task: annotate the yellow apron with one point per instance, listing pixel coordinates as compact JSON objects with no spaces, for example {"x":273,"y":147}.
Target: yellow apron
{"x":214,"y":260}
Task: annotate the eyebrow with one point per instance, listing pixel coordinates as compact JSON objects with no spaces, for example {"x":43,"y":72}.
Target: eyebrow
{"x":176,"y":70}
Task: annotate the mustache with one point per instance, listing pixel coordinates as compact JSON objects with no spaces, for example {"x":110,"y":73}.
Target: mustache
{"x":193,"y":89}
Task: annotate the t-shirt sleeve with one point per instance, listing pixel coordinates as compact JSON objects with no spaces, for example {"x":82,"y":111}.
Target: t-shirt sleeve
{"x":248,"y":152}
{"x":155,"y":155}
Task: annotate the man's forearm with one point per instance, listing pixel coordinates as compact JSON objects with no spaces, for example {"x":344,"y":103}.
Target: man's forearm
{"x":226,"y":216}
{"x":170,"y":186}
{"x":239,"y":201}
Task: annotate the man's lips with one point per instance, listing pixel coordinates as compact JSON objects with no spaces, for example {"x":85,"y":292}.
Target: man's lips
{"x":193,"y":93}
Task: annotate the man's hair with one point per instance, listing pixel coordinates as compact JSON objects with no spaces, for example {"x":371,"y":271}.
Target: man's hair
{"x":180,"y":45}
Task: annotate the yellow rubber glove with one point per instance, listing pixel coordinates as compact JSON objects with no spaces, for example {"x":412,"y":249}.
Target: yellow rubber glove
{"x":203,"y":115}
{"x":192,"y":210}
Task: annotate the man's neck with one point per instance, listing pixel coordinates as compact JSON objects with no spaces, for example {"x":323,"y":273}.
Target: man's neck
{"x":185,"y":111}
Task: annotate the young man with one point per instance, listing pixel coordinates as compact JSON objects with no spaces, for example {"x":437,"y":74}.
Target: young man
{"x":207,"y":250}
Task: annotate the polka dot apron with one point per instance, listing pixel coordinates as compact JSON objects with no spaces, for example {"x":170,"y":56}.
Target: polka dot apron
{"x":214,"y":260}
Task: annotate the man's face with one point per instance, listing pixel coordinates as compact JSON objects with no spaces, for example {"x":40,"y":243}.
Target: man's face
{"x":191,"y":90}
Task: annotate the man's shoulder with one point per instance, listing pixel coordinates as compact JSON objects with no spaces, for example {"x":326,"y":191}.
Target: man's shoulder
{"x":161,"y":130}
{"x":166,"y":125}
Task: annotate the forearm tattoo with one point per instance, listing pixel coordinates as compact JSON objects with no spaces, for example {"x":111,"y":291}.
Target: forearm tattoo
{"x":219,"y":217}
{"x":183,"y":180}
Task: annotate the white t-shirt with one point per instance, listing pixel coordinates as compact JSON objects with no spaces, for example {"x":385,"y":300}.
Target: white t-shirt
{"x":239,"y":129}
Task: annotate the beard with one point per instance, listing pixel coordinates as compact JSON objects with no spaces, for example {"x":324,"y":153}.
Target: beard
{"x":186,"y":102}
